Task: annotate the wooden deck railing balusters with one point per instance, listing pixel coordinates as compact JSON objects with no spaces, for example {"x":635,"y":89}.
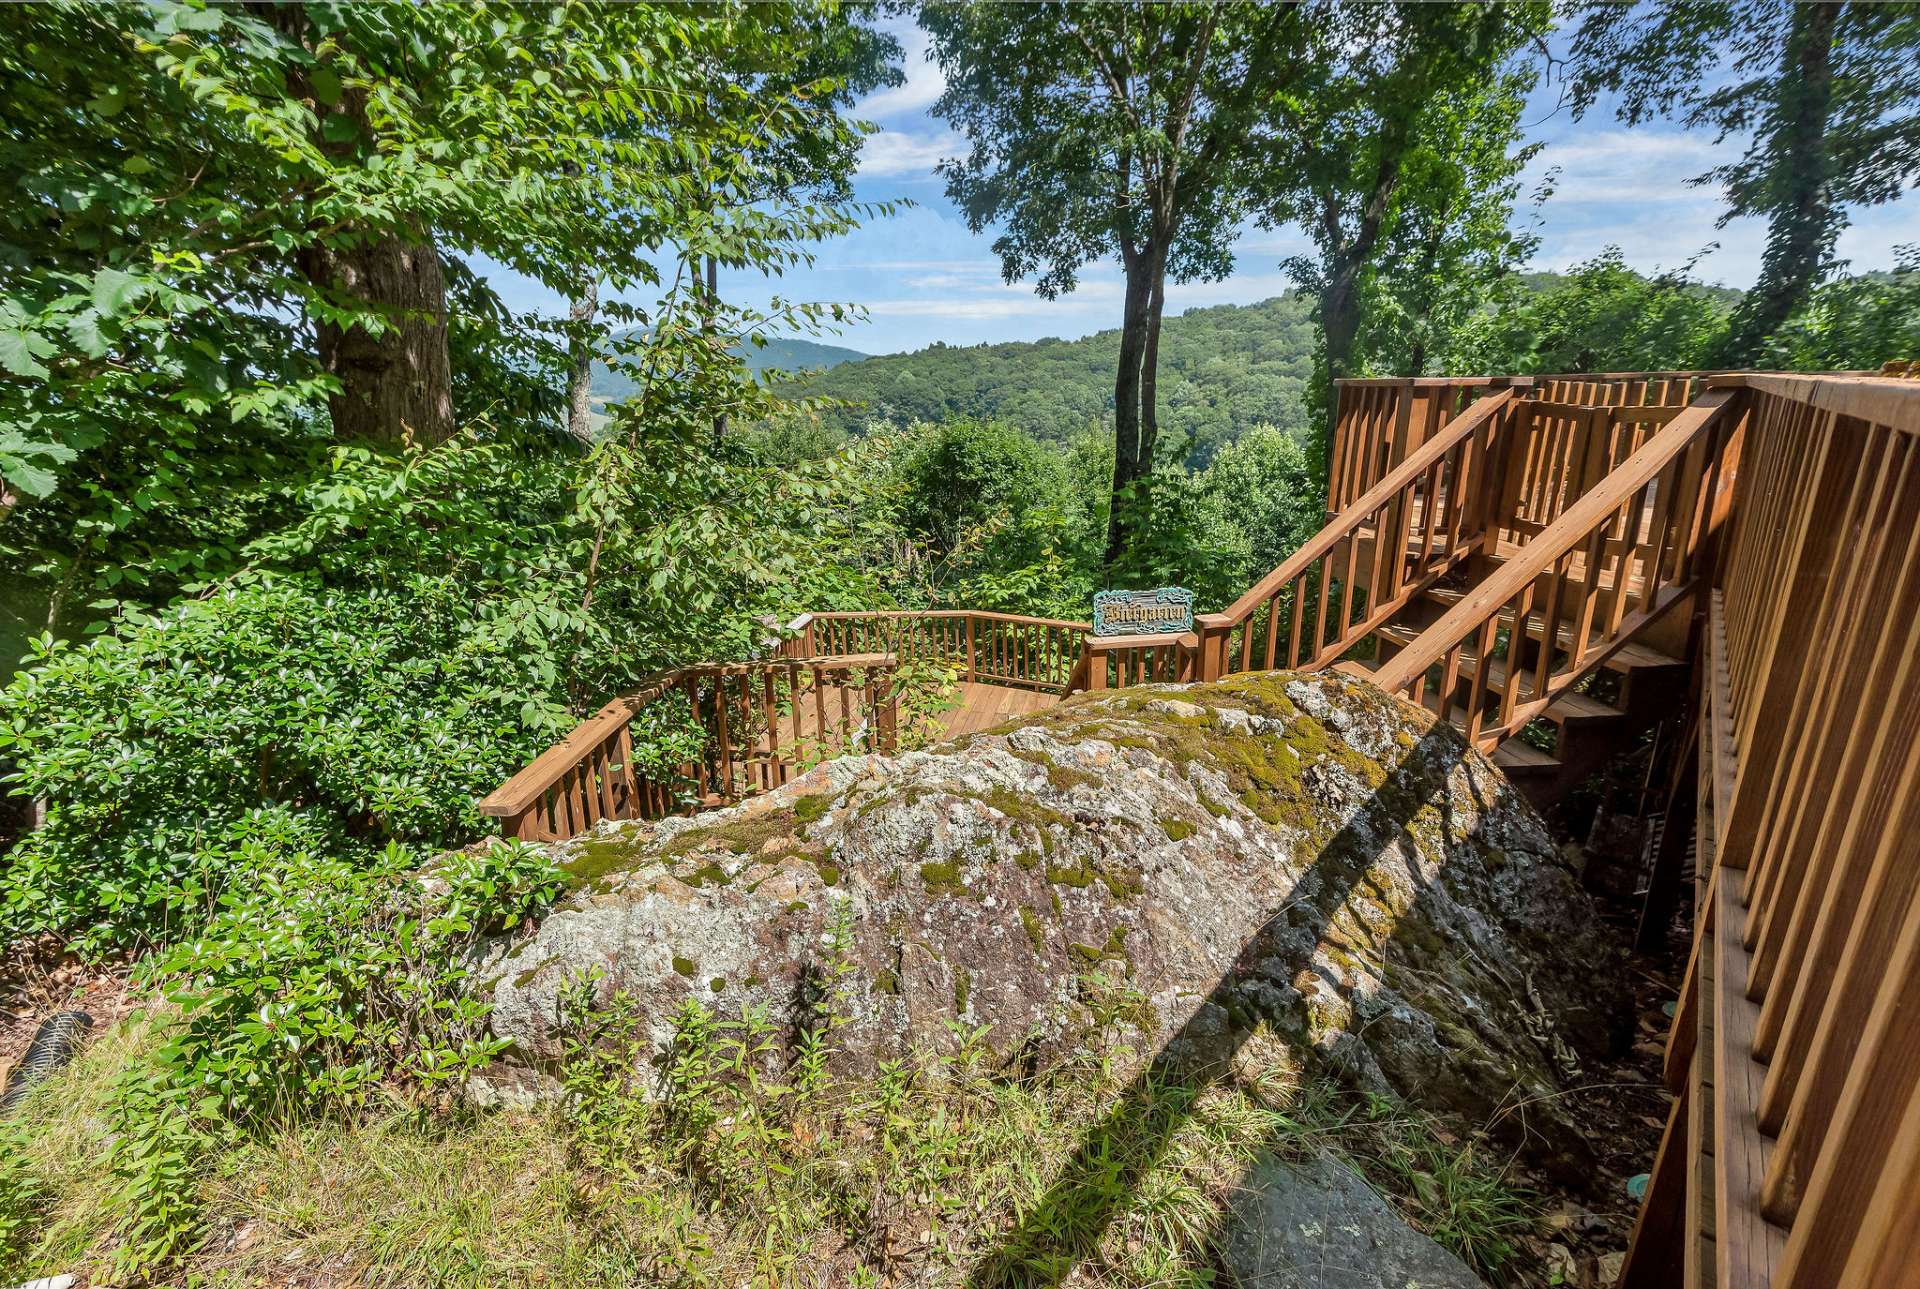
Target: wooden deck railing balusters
{"x":1607,"y":522}
{"x":1316,"y":591}
{"x":592,"y":775}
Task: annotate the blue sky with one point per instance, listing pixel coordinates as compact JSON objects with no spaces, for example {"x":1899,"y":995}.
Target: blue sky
{"x":922,"y":277}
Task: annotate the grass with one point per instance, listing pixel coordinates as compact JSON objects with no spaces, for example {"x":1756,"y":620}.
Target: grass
{"x":913,"y":1175}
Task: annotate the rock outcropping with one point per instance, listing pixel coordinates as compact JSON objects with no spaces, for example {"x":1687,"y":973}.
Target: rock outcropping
{"x":1299,"y":850}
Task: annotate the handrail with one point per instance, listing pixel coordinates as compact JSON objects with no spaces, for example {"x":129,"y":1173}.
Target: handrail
{"x":986,"y":614}
{"x":1008,"y":649}
{"x":1448,"y":469}
{"x":1606,"y":527}
{"x":517,"y":795}
{"x":1353,"y":516}
{"x":590,"y":774}
{"x":1115,"y":662}
{"x":1885,"y":400}
{"x":1554,"y":541}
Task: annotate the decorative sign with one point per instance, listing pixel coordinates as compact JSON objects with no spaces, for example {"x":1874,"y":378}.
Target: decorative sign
{"x":1166,"y":611}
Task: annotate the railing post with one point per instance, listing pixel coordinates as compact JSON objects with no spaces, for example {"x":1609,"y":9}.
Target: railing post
{"x":886,"y":714}
{"x":1188,"y":668}
{"x":1213,"y":630}
{"x":970,"y":670}
{"x":1096,"y":660}
{"x":1501,"y":466}
{"x":799,"y":641}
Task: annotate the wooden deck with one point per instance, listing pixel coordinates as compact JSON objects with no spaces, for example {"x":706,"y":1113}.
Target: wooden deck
{"x":981,"y":707}
{"x":1742,"y":549}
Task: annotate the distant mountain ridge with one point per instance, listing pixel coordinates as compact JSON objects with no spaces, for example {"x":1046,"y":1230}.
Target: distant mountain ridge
{"x":1222,"y":370}
{"x":783,"y":353}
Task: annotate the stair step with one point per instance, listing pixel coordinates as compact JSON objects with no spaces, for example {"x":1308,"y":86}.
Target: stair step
{"x":1520,"y":758}
{"x":1568,"y":708}
{"x":1631,"y":656}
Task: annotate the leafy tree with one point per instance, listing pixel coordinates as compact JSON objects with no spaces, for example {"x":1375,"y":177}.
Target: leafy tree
{"x":1398,"y":149}
{"x":233,"y":235}
{"x":1265,"y":482}
{"x":217,"y":227}
{"x":1602,"y":316}
{"x":1828,"y":93}
{"x":818,"y":57}
{"x":1112,"y":130}
{"x":1854,"y":323}
{"x":1222,"y":371}
{"x":317,"y":613}
{"x":979,"y":503}
{"x":1454,"y":241}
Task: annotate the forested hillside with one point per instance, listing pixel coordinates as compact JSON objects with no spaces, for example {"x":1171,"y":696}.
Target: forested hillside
{"x":1222,"y":371}
{"x":297,"y":568}
{"x":1228,"y":368}
{"x":783,"y":354}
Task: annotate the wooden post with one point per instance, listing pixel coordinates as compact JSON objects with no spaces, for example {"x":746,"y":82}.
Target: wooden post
{"x":886,"y":713}
{"x":1663,"y":886}
{"x":1212,"y":631}
{"x":970,"y":670}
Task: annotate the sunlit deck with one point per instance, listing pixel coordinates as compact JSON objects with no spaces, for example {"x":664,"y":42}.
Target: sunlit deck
{"x":981,"y":707}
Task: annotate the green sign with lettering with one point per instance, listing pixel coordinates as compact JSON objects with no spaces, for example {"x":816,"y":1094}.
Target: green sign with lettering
{"x":1166,"y":611}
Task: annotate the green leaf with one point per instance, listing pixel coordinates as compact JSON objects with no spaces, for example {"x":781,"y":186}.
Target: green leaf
{"x":114,"y":290}
{"x":325,"y":85}
{"x":18,"y":351}
{"x":186,"y":19}
{"x":30,"y":478}
{"x":84,"y":327}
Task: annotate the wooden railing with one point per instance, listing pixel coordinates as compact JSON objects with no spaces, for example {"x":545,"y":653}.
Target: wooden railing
{"x":984,"y":648}
{"x":1574,"y":432}
{"x":762,"y":722}
{"x":1795,"y":1050}
{"x":1380,"y":422}
{"x":1115,"y":662}
{"x":1397,"y":539}
{"x":1612,"y":561}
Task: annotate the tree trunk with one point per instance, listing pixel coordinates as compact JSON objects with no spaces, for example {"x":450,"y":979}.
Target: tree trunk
{"x":1339,"y":326}
{"x":585,"y":306}
{"x":1121,"y":517}
{"x":397,"y":386}
{"x":1803,"y":227}
{"x":1150,"y":368}
{"x":713,"y":296}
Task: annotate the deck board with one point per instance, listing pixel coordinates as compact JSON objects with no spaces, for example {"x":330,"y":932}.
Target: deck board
{"x":981,"y":707}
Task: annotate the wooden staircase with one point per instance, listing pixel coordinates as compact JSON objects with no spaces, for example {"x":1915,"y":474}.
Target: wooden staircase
{"x":1553,"y":564}
{"x":1579,"y":730}
{"x":1521,"y":555}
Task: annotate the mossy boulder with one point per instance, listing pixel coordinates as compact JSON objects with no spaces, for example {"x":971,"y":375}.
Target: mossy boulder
{"x":1298,"y":850}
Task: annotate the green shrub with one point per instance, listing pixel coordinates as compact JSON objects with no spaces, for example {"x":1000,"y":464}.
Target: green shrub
{"x":316,"y":980}
{"x":664,"y":737}
{"x":272,"y":718}
{"x":318,"y":977}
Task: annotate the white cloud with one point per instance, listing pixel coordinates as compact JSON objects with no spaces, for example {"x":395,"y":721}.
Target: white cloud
{"x":925,"y":81}
{"x":1613,"y":148}
{"x":970,"y":278}
{"x":1617,"y":167}
{"x":909,"y":266}
{"x":893,"y":153}
{"x":973,"y":307}
{"x":1241,"y":288}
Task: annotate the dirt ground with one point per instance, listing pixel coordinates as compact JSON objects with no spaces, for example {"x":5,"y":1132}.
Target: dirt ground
{"x":38,"y":978}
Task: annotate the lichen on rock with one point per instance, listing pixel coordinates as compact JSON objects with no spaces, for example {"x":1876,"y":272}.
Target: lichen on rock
{"x":1300,"y":850}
